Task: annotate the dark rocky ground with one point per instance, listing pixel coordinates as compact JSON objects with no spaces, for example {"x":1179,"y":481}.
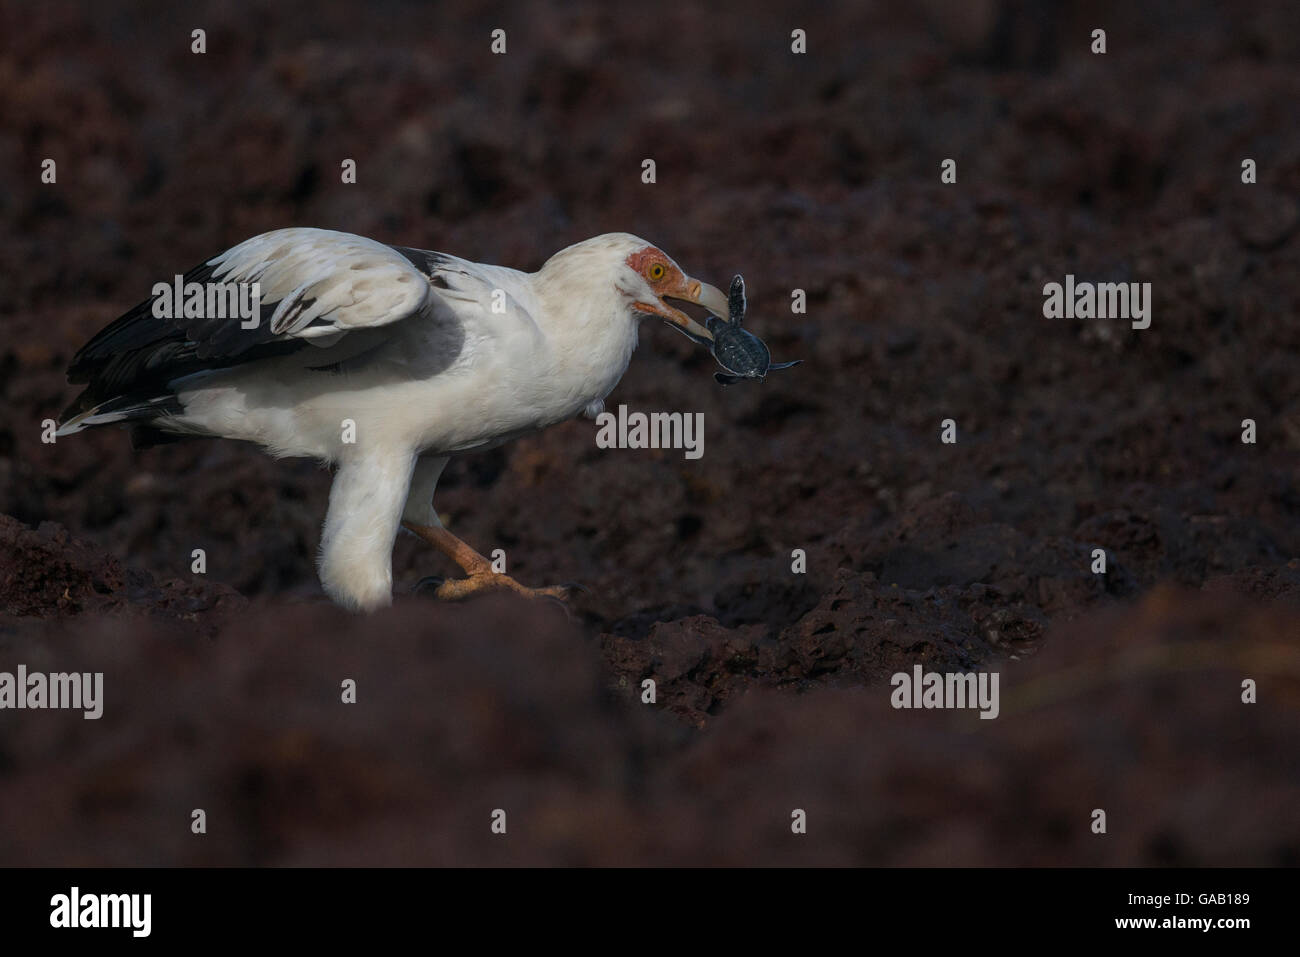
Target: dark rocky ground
{"x":818,"y":172}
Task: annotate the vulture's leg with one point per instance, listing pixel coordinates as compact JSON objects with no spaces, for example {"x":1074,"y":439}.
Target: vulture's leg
{"x":421,"y":519}
{"x":479,"y":575}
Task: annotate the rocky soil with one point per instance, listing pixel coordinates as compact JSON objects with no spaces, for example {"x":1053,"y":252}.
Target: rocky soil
{"x":1119,"y":691}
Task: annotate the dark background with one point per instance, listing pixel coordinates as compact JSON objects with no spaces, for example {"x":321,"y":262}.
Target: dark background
{"x":818,"y":172}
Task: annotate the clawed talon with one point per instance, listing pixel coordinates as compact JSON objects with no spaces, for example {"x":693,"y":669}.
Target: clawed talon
{"x":479,"y":576}
{"x":428,"y":585}
{"x":456,"y":589}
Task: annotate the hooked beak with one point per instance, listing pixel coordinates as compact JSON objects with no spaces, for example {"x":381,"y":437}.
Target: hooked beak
{"x":692,"y":291}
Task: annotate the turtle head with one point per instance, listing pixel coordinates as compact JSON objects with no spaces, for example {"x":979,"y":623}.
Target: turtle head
{"x":736,"y":300}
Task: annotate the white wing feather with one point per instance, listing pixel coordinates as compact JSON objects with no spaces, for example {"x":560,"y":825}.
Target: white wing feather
{"x":325,"y":283}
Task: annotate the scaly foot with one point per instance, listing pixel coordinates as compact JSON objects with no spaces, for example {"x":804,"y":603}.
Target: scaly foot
{"x":478,"y":572}
{"x":457,"y":589}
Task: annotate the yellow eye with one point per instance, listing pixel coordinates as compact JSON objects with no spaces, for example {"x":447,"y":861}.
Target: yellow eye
{"x":657,"y":271}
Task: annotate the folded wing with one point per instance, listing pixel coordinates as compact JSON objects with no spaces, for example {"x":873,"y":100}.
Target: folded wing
{"x":316,"y":287}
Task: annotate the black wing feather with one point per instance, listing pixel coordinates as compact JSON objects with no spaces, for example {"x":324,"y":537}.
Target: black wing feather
{"x":427,"y":261}
{"x":137,"y":354}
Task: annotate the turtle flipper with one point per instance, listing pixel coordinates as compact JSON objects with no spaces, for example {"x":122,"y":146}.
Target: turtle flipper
{"x":724,"y":379}
{"x":783,"y":365}
{"x":736,"y":300}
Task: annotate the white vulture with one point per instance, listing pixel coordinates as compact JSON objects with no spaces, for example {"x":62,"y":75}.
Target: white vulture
{"x":423,"y":354}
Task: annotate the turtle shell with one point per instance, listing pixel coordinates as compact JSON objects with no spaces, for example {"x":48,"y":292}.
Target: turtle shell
{"x":739,"y":352}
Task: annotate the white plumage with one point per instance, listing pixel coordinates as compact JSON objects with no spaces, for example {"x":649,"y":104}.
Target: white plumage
{"x":411,"y":355}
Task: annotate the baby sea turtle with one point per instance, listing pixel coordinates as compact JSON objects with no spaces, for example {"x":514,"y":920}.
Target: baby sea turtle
{"x":741,"y":353}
